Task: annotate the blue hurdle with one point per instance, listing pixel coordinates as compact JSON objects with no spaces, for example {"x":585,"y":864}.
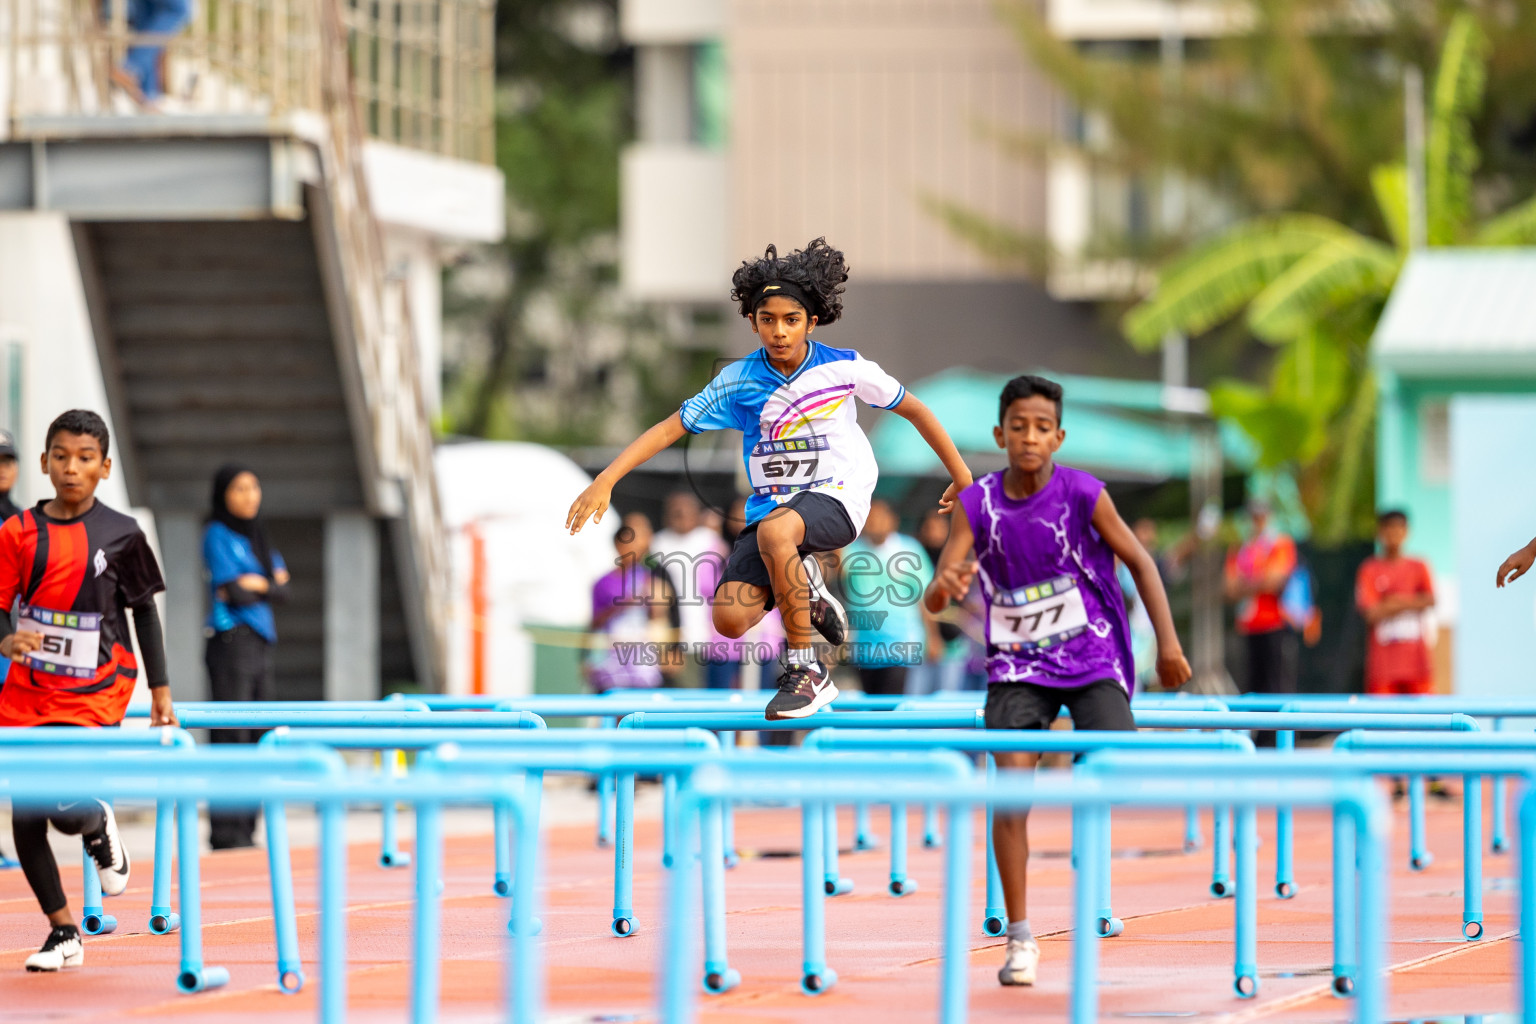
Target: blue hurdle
{"x":316,"y":776}
{"x":93,"y":919}
{"x":990,"y":741}
{"x":552,"y":750}
{"x":1328,"y":765}
{"x":1356,"y":801}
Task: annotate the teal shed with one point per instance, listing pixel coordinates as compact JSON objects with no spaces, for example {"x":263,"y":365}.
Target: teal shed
{"x":1455,"y":360}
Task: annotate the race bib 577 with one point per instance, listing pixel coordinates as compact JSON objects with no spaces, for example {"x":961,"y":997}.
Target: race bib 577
{"x":793,"y":464}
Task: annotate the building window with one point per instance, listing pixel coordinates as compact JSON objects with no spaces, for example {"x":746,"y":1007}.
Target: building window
{"x":1435,"y":441}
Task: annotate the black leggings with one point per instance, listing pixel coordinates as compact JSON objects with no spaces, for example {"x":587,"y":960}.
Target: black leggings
{"x":29,"y":828}
{"x":239,"y":668}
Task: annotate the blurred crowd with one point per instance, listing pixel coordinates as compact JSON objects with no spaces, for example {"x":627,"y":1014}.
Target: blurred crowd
{"x":651,"y":624}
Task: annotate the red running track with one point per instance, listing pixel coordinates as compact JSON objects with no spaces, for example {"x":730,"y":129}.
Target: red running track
{"x":1173,"y":962}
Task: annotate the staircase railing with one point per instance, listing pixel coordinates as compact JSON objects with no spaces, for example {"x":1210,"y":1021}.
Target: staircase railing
{"x":423,"y":70}
{"x":385,"y":348}
{"x":427,"y":84}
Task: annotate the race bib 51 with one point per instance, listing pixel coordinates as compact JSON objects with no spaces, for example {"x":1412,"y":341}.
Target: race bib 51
{"x":71,"y":641}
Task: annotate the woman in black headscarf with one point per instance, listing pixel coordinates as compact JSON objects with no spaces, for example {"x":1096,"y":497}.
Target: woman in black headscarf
{"x":246,"y":575}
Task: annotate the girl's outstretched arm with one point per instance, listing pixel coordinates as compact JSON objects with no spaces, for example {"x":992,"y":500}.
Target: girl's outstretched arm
{"x":1517,"y":564}
{"x":594,"y":500}
{"x":920,"y":416}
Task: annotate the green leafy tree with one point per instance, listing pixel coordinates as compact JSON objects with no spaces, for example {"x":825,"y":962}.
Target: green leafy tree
{"x":1291,"y":125}
{"x":1290,"y":110}
{"x":563,"y":112}
{"x":1313,"y":287}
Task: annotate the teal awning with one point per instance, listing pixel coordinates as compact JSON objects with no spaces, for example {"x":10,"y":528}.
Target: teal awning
{"x":1116,"y":429}
{"x":1459,"y":312}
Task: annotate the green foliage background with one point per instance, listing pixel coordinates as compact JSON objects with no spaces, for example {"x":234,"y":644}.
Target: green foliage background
{"x":1294,"y":124}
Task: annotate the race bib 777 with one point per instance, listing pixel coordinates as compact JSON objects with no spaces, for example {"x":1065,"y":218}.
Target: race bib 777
{"x":1038,"y":615}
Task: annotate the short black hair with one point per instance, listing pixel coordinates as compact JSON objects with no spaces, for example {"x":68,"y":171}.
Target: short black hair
{"x":1023,"y":386}
{"x":83,"y":422}
{"x":1391,"y":515}
{"x":818,"y":270}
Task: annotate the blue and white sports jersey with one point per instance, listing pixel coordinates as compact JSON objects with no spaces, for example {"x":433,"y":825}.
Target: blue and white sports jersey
{"x":800,"y":432}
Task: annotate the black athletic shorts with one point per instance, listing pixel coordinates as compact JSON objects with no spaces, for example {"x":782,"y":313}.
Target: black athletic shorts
{"x":1097,"y":706}
{"x":827,"y":528}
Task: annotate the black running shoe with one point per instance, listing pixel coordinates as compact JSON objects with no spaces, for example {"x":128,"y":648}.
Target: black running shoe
{"x":63,"y":949}
{"x":111,"y":857}
{"x":803,"y":691}
{"x":826,"y":614}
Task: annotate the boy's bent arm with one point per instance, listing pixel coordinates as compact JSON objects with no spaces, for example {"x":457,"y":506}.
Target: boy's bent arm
{"x":911,"y":409}
{"x":151,"y":639}
{"x":594,"y":500}
{"x":952,"y":579}
{"x":1171,"y":666}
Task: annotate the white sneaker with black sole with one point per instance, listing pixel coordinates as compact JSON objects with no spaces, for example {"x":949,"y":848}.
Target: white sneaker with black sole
{"x":803,"y":691}
{"x":62,"y":949}
{"x":111,"y":856}
{"x":826,"y":614}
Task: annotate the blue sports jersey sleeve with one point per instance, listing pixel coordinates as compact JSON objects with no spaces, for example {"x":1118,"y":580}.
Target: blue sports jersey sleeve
{"x":716,"y":407}
{"x":223,"y":556}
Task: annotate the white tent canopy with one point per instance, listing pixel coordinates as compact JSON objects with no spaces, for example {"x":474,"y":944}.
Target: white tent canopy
{"x":516,"y":495}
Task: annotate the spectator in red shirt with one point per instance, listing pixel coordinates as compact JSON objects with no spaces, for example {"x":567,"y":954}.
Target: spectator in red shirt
{"x":1256,"y":575}
{"x":1393,"y":592}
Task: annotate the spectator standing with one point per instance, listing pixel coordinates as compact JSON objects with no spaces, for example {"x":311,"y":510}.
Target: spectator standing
{"x":142,"y":75}
{"x":884,"y":573}
{"x":629,"y":615}
{"x":9,"y":470}
{"x":246,"y":576}
{"x":692,"y":555}
{"x":1257,"y":572}
{"x":1394,"y":592}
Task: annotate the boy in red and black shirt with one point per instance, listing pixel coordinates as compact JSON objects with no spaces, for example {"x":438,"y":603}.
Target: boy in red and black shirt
{"x":1393,"y":592}
{"x":75,"y":566}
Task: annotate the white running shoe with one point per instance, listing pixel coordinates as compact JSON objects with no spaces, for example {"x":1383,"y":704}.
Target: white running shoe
{"x":111,"y":856}
{"x":1023,"y":959}
{"x":62,"y":949}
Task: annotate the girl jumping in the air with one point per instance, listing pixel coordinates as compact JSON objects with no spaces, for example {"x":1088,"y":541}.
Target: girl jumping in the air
{"x":810,"y":467}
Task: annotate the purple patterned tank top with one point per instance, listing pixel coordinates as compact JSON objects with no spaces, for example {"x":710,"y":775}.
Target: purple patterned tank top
{"x":1055,"y":612}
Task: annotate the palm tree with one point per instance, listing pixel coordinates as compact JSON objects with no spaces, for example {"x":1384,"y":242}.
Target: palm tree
{"x":1314,"y":288}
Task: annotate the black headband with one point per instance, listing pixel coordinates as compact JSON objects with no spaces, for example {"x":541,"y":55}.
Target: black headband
{"x":788,"y":289}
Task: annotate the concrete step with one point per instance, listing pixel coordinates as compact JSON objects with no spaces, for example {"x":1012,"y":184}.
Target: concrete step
{"x":171,"y":394}
{"x":154,"y":324}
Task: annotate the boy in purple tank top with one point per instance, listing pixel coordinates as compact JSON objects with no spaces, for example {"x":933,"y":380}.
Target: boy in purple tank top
{"x":1045,"y":538}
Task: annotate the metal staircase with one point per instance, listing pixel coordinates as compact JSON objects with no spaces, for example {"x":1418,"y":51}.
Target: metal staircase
{"x":237,"y":283}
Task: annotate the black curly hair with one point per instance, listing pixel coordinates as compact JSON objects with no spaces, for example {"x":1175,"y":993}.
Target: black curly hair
{"x":818,"y":270}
